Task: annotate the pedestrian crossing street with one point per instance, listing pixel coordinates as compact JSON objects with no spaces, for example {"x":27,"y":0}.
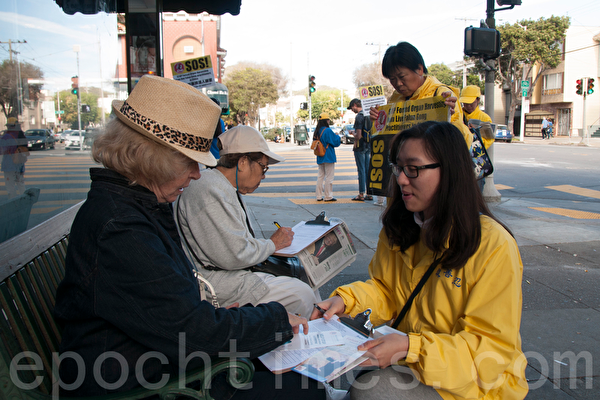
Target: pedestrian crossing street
{"x":64,"y":181}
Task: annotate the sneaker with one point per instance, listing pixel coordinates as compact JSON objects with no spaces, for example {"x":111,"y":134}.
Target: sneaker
{"x":319,"y":199}
{"x":332,"y":199}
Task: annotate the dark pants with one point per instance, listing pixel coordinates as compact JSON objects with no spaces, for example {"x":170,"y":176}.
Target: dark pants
{"x":266,"y":385}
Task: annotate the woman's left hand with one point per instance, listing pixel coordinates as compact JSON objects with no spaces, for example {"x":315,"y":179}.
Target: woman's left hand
{"x":450,"y":101}
{"x":385,"y":350}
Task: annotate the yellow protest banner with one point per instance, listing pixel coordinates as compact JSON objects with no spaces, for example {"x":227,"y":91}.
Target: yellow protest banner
{"x":394,"y":118}
{"x":197,"y":72}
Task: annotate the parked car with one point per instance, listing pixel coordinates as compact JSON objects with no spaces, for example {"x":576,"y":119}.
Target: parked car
{"x":89,"y":137}
{"x":73,"y":139}
{"x":347,"y":134}
{"x":39,"y":139}
{"x":502,"y":133}
{"x":64,"y":134}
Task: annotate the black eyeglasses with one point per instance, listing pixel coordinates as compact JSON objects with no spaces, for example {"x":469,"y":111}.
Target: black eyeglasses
{"x":264,"y":167}
{"x":411,"y":171}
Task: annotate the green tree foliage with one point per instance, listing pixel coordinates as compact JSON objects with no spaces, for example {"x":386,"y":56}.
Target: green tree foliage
{"x":328,"y":100}
{"x":454,"y":78}
{"x":302,"y":115}
{"x":526,"y":44}
{"x":9,"y":89}
{"x":444,"y":74}
{"x":249,"y":90}
{"x":280,"y":80}
{"x":68,"y":104}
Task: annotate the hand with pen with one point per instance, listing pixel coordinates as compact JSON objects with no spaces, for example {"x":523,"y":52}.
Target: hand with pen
{"x":282,"y":237}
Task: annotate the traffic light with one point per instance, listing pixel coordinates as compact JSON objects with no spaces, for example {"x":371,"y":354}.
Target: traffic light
{"x":75,"y":85}
{"x":311,"y":85}
{"x":590,"y":88}
{"x":508,"y":2}
{"x":579,"y":91}
{"x":482,"y":42}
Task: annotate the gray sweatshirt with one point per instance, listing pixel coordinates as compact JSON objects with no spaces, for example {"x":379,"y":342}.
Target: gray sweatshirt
{"x":213,"y":222}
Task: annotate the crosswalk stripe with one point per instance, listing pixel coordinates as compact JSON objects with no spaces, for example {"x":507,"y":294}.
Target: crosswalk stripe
{"x":595,"y":194}
{"x":568,"y":213}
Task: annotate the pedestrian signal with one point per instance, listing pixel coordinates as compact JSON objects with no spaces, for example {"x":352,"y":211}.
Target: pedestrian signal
{"x":590,"y":87}
{"x":579,"y":91}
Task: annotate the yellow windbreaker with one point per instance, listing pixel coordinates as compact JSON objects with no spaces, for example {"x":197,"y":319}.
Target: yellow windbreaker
{"x":428,"y":89}
{"x":464,"y":325}
{"x":483,"y":117}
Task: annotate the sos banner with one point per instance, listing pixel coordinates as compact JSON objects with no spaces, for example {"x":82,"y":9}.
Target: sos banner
{"x":394,"y":118}
{"x":197,"y":72}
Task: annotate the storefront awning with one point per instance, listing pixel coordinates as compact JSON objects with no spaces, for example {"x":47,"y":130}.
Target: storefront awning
{"x":215,"y":7}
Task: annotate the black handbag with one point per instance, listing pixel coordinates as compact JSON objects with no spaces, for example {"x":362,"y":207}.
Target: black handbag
{"x":282,"y":266}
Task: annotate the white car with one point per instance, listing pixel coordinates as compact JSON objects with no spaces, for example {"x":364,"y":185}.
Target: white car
{"x":72,"y":140}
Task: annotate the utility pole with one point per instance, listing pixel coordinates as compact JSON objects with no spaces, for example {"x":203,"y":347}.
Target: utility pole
{"x":19,"y":82}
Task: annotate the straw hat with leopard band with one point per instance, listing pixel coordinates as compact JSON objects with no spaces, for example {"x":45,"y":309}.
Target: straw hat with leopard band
{"x":172,"y":113}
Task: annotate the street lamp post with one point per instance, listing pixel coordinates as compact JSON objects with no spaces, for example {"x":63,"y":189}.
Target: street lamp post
{"x":77,"y":49}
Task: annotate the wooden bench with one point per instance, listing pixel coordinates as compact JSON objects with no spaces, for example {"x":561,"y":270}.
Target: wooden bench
{"x":31,"y":266}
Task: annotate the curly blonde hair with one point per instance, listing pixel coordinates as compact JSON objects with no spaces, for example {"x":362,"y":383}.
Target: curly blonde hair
{"x":140,"y":159}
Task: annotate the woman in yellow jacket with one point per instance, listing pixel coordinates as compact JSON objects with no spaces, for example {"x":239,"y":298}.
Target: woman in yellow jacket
{"x":462,"y":330}
{"x":404,"y":67}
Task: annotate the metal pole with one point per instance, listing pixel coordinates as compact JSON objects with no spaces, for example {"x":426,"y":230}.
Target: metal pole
{"x":584,"y":136}
{"x":490,"y":193}
{"x":76,"y":49}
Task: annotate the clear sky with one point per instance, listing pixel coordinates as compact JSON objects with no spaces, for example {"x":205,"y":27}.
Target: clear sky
{"x":331,"y":38}
{"x":326,"y":38}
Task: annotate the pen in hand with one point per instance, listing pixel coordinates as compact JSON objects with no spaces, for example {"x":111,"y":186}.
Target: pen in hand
{"x":277,"y":224}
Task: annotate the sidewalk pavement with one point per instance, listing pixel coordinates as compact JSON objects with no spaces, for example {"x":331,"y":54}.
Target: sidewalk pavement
{"x":561,"y":291}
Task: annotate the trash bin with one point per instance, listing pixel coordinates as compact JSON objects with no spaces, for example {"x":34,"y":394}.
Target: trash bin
{"x":300,"y":134}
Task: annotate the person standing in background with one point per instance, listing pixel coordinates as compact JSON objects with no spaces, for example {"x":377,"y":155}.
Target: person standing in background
{"x":327,"y":162}
{"x":362,"y":148}
{"x":470,"y":98}
{"x":13,"y":147}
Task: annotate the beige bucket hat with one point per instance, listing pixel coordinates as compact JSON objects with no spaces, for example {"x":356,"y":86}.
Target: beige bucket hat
{"x":174,"y":114}
{"x":243,"y":139}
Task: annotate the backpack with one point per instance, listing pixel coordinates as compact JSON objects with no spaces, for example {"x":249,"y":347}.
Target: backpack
{"x":318,"y":149}
{"x":481,"y":160}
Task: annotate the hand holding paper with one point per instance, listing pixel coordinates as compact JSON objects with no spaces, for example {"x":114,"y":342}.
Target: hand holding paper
{"x":385,"y":350}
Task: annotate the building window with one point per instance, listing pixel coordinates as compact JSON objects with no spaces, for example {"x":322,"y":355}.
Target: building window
{"x":552,"y":84}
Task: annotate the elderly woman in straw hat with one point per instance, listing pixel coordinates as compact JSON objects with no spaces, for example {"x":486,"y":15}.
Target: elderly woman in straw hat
{"x":129,"y":304}
{"x":213,"y":204}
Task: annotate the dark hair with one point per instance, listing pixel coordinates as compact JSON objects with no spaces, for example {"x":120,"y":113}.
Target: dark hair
{"x":320,"y":124}
{"x":457,"y":203}
{"x":231,"y":160}
{"x":403,"y":54}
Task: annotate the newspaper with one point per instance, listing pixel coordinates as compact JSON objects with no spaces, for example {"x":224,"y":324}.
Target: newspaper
{"x":323,"y":250}
{"x":321,"y":364}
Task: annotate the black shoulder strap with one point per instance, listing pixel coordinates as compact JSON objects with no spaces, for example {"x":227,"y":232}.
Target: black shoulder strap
{"x":416,"y":291}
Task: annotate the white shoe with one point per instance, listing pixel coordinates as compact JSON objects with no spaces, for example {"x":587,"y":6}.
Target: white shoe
{"x":334,"y":394}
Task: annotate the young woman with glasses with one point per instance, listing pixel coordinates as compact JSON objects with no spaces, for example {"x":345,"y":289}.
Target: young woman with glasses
{"x":461,"y":333}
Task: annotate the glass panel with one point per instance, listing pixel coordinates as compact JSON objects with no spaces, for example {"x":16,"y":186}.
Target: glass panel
{"x":144,"y":53}
{"x":58,"y":75}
